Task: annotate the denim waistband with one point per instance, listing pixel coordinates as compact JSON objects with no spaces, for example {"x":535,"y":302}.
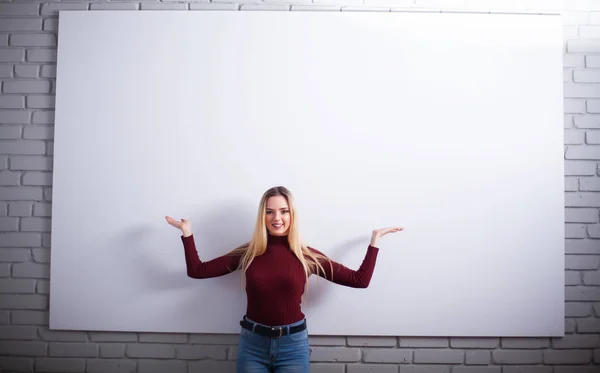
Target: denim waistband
{"x":274,"y":326}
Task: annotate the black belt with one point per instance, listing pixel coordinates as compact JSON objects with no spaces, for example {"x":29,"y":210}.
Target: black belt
{"x":272,"y":332}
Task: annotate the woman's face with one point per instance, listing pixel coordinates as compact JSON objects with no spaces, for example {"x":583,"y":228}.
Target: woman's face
{"x":277,"y":216}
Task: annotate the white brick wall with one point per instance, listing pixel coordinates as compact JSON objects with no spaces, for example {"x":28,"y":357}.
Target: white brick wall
{"x":27,"y":84}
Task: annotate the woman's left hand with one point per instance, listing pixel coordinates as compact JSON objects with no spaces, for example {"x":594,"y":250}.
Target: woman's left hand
{"x":378,"y":233}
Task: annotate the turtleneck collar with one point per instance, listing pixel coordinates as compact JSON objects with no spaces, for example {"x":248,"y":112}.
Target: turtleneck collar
{"x":277,"y":240}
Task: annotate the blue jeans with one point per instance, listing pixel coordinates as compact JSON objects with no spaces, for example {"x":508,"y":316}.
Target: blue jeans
{"x":260,"y":354}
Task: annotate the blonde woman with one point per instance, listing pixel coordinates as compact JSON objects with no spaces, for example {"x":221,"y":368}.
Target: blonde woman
{"x":276,"y":265}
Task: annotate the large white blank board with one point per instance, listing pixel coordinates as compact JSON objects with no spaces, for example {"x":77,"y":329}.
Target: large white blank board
{"x":447,"y":124}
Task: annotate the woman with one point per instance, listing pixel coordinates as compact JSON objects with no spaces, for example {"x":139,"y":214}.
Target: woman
{"x":276,"y":265}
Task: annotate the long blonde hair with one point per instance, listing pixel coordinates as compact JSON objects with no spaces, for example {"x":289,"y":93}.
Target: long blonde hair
{"x":311,"y":261}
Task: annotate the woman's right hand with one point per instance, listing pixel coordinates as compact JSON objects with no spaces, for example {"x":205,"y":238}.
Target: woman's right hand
{"x":184,"y":225}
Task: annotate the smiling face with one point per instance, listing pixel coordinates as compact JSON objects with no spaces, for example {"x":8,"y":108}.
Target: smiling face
{"x":277,"y":216}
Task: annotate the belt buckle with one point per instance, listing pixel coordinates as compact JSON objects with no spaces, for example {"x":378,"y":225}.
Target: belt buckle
{"x":280,"y":331}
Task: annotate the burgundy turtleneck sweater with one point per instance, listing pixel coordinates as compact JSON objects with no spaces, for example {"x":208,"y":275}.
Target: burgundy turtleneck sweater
{"x":275,"y":280}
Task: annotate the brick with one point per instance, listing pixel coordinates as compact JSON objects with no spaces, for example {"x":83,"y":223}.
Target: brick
{"x":582,"y":215}
{"x":387,"y":355}
{"x":319,"y":341}
{"x":37,"y":178}
{"x":582,"y":199}
{"x":12,"y":55}
{"x":574,"y":136}
{"x":469,"y":342}
{"x":576,"y":309}
{"x":9,"y":178}
{"x":157,"y":366}
{"x":571,"y":184}
{"x":18,"y":9}
{"x":316,"y":8}
{"x":524,"y":343}
{"x":17,"y":286}
{"x":50,"y":24}
{"x":163,"y":338}
{"x":574,"y":106}
{"x":580,"y":168}
{"x":72,"y":349}
{"x":586,"y":76}
{"x":478,"y":357}
{"x":589,"y":325}
{"x":42,"y":209}
{"x":34,"y":147}
{"x":41,"y":255}
{"x":573,"y":60}
{"x":53,"y":9}
{"x":20,"y":24}
{"x":576,"y":341}
{"x":593,"y":230}
{"x":14,"y":117}
{"x":28,"y":163}
{"x":371,"y":368}
{"x":33,"y":40}
{"x":60,"y":365}
{"x":26,"y":71}
{"x":16,"y":364}
{"x":586,"y":246}
{"x":163,"y":6}
{"x":61,"y":335}
{"x":35,"y":224}
{"x":26,"y":86}
{"x":10,"y":132}
{"x":575,"y":90}
{"x":587,"y":121}
{"x":38,"y":132}
{"x":570,"y":326}
{"x":567,"y":357}
{"x":592,"y":137}
{"x":584,"y":262}
{"x":576,"y":369}
{"x":508,"y":356}
{"x":214,"y":6}
{"x":112,"y":365}
{"x":31,"y":270}
{"x":114,"y":6}
{"x":589,"y":184}
{"x":583,"y":46}
{"x":337,"y":354}
{"x":41,"y":101}
{"x":48,"y":71}
{"x":201,"y":352}
{"x":438,"y":356}
{"x":590,"y":152}
{"x":18,"y":332}
{"x":18,"y":239}
{"x":372,"y":341}
{"x":419,"y":342}
{"x":582,"y":293}
{"x":266,"y":7}
{"x":572,"y":278}
{"x":460,"y":369}
{"x":19,"y":209}
{"x":43,"y":287}
{"x":424,"y":369}
{"x":43,"y":117}
{"x":12,"y":102}
{"x":23,"y":317}
{"x":112,"y":350}
{"x":6,"y":71}
{"x":526,"y":369}
{"x":155,"y":351}
{"x":22,"y":348}
{"x":592,"y":61}
{"x":575,"y":231}
{"x":5,"y":269}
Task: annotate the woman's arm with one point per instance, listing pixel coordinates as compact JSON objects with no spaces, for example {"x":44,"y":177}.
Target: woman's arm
{"x":196,"y":268}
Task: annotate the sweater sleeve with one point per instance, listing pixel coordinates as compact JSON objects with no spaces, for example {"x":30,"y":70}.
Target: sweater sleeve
{"x":196,"y":268}
{"x":343,"y":275}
